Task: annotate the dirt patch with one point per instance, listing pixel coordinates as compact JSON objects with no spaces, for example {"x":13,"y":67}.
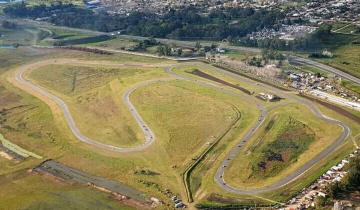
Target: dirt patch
{"x":8,"y":154}
{"x":250,"y":77}
{"x":334,"y":108}
{"x":217,"y":198}
{"x":215,"y":79}
{"x":117,"y":190}
{"x":5,"y":155}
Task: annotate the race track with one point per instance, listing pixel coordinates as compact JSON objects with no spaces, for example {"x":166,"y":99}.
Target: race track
{"x":149,"y":136}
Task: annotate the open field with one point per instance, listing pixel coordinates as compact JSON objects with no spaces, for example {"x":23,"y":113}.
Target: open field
{"x":22,"y":190}
{"x":242,"y":56}
{"x":183,"y":118}
{"x":116,"y":44}
{"x":20,"y":36}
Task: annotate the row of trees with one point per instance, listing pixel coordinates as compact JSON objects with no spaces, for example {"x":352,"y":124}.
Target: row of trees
{"x":185,"y":23}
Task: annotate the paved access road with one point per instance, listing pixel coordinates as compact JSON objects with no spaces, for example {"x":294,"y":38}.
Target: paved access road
{"x":296,"y":59}
{"x":32,"y":88}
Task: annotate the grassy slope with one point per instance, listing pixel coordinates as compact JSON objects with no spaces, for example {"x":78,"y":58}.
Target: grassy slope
{"x":89,"y":89}
{"x":17,"y":36}
{"x":116,"y":43}
{"x":183,"y":118}
{"x":351,"y":86}
{"x":24,"y":191}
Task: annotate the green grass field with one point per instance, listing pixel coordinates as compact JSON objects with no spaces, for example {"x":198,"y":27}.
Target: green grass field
{"x":351,"y":86}
{"x":23,"y":190}
{"x":242,"y":56}
{"x":116,"y":44}
{"x":182,"y":117}
{"x":20,"y":36}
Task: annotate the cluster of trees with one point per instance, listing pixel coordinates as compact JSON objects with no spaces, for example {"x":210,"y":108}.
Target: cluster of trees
{"x":164,"y":50}
{"x":351,"y":183}
{"x":266,"y":56}
{"x":8,"y":25}
{"x":185,"y":23}
{"x":142,"y":45}
{"x":270,"y":54}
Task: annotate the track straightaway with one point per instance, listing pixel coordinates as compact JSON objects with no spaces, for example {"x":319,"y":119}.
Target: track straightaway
{"x":148,"y":133}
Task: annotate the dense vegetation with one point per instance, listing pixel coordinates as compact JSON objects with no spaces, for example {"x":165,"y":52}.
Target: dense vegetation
{"x":348,"y":185}
{"x":84,"y":40}
{"x":186,"y":23}
{"x":291,"y":140}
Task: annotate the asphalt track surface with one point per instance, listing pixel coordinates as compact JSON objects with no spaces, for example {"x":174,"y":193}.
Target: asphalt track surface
{"x":148,"y":133}
{"x":150,"y":136}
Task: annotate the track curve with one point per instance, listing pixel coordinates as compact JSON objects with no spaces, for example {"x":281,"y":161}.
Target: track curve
{"x":149,"y":135}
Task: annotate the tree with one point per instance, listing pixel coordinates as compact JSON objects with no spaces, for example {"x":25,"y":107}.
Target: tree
{"x":160,"y":50}
{"x":9,"y":25}
{"x":179,"y":52}
{"x":324,"y":30}
{"x":197,"y":46}
{"x":213,"y":46}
